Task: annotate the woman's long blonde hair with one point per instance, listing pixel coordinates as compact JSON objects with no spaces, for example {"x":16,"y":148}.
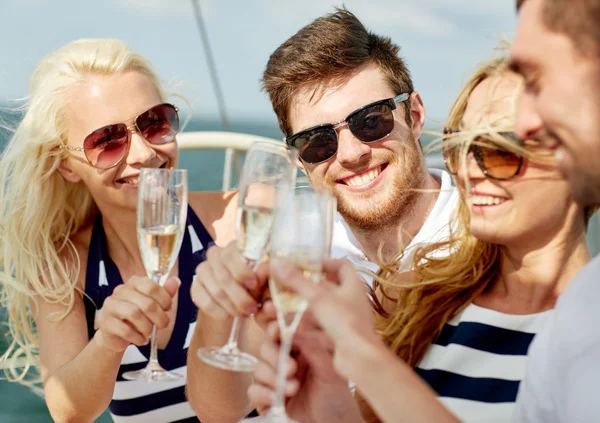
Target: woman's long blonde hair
{"x":39,"y":209}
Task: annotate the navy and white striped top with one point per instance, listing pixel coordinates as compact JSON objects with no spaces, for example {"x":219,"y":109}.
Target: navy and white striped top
{"x":479,"y":360}
{"x":140,"y":401}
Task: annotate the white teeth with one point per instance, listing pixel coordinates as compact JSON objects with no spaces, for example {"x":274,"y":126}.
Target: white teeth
{"x":132,"y":181}
{"x":364,"y":179}
{"x":483,"y":200}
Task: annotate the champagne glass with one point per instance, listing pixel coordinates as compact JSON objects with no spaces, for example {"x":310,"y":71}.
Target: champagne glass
{"x":161,"y":215}
{"x":332,"y":209}
{"x":301,"y":234}
{"x":268,"y":167}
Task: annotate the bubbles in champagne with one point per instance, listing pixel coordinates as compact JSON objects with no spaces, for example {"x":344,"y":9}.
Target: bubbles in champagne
{"x":157,"y":247}
{"x":254,"y":231}
{"x":291,"y":306}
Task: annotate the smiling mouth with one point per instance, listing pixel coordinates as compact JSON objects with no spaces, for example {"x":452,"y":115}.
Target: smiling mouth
{"x":130,"y":181}
{"x":363,"y":179}
{"x":486,"y":200}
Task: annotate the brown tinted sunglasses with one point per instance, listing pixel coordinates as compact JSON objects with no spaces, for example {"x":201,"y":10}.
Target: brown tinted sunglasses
{"x":494,"y":160}
{"x":105,"y":147}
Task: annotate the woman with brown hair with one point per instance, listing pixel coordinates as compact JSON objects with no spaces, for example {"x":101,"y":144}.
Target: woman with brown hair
{"x":464,"y":317}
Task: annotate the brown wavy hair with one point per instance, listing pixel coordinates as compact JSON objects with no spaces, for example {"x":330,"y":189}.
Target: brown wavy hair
{"x":327,"y":52}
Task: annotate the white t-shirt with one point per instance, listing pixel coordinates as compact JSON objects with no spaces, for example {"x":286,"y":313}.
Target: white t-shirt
{"x":436,"y":228}
{"x":563,"y":371}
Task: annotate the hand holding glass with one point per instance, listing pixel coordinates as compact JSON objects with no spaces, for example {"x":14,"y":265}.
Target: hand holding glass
{"x":268,"y":166}
{"x":301,"y":233}
{"x":161,"y":215}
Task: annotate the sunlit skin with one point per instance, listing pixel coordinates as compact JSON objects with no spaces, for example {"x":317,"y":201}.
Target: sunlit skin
{"x":130,"y":312}
{"x":524,"y":214}
{"x":542,"y":234}
{"x":560,"y":104}
{"x":373,"y":183}
{"x":387,"y":169}
{"x":103,"y":100}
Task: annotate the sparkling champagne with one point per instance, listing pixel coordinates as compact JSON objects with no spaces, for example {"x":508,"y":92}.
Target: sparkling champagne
{"x":290,"y":306}
{"x":158,"y":244}
{"x":254,"y":229}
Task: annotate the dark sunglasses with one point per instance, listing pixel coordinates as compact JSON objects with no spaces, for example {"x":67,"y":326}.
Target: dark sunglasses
{"x":494,"y":161}
{"x":370,"y":123}
{"x":105,"y":147}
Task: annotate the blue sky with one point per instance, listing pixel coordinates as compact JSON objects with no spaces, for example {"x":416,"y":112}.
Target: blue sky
{"x":442,"y":40}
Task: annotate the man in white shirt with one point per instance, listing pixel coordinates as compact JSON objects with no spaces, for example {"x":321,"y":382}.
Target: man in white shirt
{"x":557,"y":50}
{"x":345,"y":100}
{"x":435,"y":229}
{"x":356,"y":121}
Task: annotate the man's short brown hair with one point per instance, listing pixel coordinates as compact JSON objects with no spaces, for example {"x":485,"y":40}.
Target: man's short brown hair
{"x":329,"y":51}
{"x":578,"y":19}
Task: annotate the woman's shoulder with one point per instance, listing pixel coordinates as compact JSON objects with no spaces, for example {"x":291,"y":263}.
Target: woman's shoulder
{"x":217,"y":210}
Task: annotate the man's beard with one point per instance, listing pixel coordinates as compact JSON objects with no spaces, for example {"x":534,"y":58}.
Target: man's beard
{"x":372,"y":214}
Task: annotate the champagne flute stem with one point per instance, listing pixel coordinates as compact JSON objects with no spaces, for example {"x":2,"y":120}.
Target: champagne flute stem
{"x":153,"y":348}
{"x":232,"y":343}
{"x":278,"y":408}
{"x":153,"y":360}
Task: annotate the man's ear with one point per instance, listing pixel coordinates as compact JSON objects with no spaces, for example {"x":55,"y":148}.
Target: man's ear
{"x":64,"y":168}
{"x":417,"y":115}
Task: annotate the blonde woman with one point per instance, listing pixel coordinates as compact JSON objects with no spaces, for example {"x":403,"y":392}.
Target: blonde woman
{"x":464,"y":319}
{"x":69,"y":252}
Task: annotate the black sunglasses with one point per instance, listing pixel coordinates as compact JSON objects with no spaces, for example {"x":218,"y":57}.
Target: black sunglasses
{"x":494,"y":160}
{"x":370,"y":123}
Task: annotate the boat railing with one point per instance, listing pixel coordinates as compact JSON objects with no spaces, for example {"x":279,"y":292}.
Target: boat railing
{"x":236,"y":144}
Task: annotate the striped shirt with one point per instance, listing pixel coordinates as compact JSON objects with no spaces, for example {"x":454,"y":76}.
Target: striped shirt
{"x":478,"y":362}
{"x":140,"y":401}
